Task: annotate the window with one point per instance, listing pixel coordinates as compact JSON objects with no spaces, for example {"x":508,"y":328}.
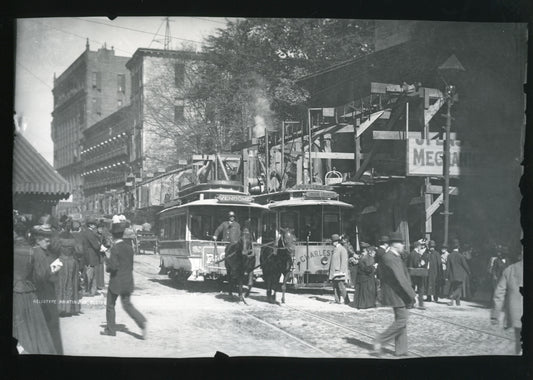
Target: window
{"x":179,"y":114}
{"x":97,"y":106}
{"x":97,"y":80}
{"x":119,"y":103}
{"x":179,"y":74}
{"x":121,"y":81}
{"x":269,"y":227}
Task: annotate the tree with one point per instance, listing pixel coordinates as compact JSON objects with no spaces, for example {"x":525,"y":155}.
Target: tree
{"x":250,"y":70}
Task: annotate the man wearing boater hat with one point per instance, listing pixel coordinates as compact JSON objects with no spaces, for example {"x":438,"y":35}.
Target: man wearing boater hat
{"x":230,"y":229}
{"x":397,"y":293}
{"x":119,"y":264}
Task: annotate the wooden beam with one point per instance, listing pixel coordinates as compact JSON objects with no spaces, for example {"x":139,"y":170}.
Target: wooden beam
{"x":226,"y":177}
{"x":383,"y":88}
{"x":400,"y":135}
{"x":247,"y":144}
{"x":333,"y":155}
{"x":434,"y":206}
{"x":435,"y":189}
{"x":433,"y":109}
{"x":399,"y":111}
{"x":416,"y":201}
{"x":368,"y":122}
{"x":213,"y":157}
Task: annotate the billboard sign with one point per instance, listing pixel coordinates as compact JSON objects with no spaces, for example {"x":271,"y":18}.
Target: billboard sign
{"x":426,"y":158}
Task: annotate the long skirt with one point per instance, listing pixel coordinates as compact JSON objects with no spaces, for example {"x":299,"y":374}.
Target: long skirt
{"x":365,"y":294}
{"x":29,"y":325}
{"x":67,"y":289}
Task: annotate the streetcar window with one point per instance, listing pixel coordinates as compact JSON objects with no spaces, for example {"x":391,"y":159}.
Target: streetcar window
{"x":332,"y":224}
{"x":201,"y":226}
{"x":172,"y":228}
{"x":181,"y":222}
{"x":289,"y":219}
{"x":311,"y":223}
{"x":269,"y":227}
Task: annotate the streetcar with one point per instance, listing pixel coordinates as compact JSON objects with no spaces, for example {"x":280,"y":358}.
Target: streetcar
{"x":313,"y":213}
{"x":187,"y":224}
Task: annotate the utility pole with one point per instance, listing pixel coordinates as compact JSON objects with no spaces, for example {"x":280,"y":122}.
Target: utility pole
{"x":446,"y":166}
{"x":168,"y":37}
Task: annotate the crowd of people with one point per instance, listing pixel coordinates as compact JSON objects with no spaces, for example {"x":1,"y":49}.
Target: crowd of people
{"x":388,"y":275}
{"x":56,"y":265}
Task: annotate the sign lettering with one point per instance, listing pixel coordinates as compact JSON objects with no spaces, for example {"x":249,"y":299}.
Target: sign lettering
{"x":235,"y":198}
{"x":426,"y":158}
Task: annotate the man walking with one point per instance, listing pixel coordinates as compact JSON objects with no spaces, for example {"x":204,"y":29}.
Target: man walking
{"x":119,"y":264}
{"x":397,"y":293}
{"x":338,"y":268}
{"x":458,"y":272}
{"x":507,"y":296}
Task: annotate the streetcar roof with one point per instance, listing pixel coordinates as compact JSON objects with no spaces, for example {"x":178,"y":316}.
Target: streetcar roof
{"x":215,"y":202}
{"x":308,"y":202}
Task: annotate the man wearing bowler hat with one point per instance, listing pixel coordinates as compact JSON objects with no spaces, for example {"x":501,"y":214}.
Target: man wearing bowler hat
{"x":338,"y":268}
{"x":119,"y":264}
{"x":434,"y":272}
{"x":397,"y":293}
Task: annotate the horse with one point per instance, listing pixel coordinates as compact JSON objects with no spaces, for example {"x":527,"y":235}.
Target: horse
{"x":239,"y":261}
{"x":276,"y":261}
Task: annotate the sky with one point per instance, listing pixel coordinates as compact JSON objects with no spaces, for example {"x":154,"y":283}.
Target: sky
{"x":49,"y":45}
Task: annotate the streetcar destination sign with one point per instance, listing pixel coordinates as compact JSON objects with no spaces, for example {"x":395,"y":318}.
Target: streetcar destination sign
{"x":426,"y":158}
{"x":234,"y":198}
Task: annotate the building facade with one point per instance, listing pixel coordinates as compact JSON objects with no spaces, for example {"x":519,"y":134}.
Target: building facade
{"x":160,"y":109}
{"x":106,"y":162}
{"x":95,"y":85}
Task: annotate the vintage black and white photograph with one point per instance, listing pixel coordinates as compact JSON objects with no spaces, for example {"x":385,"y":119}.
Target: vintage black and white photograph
{"x":268,"y":187}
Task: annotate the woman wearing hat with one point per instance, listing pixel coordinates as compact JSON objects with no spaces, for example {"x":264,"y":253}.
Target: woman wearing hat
{"x":45,"y":268}
{"x":365,"y":290}
{"x":67,"y":286}
{"x":29,"y":324}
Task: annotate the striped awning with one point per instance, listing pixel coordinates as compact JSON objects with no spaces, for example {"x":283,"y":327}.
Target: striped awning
{"x":32,"y":174}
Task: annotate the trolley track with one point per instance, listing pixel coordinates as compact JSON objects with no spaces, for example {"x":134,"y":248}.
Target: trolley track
{"x":292,"y":336}
{"x":351,"y":329}
{"x":460,"y":325}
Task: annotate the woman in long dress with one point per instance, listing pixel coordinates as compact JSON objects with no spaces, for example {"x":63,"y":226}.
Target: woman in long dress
{"x":45,"y":279}
{"x":67,"y":289}
{"x":29,"y":324}
{"x":365,"y":290}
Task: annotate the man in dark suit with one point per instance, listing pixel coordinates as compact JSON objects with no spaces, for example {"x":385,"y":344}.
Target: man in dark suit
{"x":458,"y":272}
{"x":396,"y":292}
{"x":91,"y":247}
{"x":432,"y":257}
{"x":119,"y":264}
{"x":416,"y":263}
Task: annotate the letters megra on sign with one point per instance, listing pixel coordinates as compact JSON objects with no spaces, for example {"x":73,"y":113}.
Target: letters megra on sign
{"x":426,"y":157}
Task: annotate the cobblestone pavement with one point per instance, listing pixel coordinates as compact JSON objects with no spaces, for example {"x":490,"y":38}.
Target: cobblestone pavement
{"x":198,"y":320}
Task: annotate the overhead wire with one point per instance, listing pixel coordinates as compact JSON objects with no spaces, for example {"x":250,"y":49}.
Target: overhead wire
{"x":134,"y":30}
{"x":34,"y":75}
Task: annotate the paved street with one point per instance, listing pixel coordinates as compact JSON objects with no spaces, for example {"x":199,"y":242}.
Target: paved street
{"x":198,"y":320}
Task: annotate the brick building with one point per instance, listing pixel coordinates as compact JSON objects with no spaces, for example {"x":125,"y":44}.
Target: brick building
{"x":160,"y":110}
{"x":95,"y":85}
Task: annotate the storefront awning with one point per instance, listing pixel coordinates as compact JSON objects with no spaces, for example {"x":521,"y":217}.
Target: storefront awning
{"x":32,"y":174}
